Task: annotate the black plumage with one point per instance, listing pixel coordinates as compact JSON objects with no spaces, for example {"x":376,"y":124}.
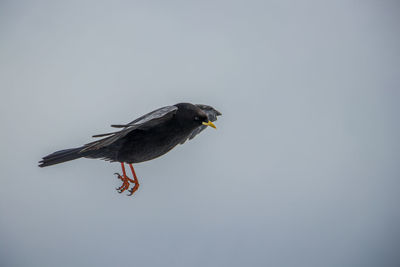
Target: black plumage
{"x":143,"y":139}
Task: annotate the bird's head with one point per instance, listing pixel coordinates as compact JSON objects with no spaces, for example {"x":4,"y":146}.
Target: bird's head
{"x":191,"y":115}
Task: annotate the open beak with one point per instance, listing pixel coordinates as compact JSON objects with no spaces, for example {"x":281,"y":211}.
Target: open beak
{"x":209,"y":123}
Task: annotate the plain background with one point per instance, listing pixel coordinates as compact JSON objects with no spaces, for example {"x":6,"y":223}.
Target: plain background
{"x":302,"y":171}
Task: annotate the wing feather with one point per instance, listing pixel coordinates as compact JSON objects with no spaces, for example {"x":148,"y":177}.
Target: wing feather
{"x":144,"y":122}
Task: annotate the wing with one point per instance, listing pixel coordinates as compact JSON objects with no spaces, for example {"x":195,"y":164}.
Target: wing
{"x":145,"y":122}
{"x":154,"y":115}
{"x":212,"y":116}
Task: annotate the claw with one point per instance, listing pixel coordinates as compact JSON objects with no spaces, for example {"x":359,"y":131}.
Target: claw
{"x":123,"y":187}
{"x":125,"y":183}
{"x":134,"y":189}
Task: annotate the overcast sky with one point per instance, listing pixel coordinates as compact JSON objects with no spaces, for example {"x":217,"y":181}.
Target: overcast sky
{"x":303,"y":169}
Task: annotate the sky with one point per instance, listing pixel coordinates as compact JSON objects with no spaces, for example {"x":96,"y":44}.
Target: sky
{"x":303,"y":169}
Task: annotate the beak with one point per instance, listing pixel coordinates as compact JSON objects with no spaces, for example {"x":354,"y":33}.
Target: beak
{"x":209,"y":123}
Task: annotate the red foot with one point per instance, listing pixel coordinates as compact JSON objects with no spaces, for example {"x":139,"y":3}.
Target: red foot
{"x":125,"y":181}
{"x":136,"y":186}
{"x":134,"y":189}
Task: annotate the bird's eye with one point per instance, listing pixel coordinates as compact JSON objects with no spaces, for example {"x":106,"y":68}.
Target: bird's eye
{"x":196,"y":118}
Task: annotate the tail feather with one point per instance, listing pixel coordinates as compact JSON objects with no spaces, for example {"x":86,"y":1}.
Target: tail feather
{"x":61,"y":156}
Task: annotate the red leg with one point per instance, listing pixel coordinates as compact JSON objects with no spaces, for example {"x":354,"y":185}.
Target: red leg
{"x":125,"y":180}
{"x":123,"y":169}
{"x":136,"y":181}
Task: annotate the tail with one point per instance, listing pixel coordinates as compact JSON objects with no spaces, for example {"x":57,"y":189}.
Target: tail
{"x":61,"y":156}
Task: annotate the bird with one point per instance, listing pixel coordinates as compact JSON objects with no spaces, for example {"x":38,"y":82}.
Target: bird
{"x":147,"y":137}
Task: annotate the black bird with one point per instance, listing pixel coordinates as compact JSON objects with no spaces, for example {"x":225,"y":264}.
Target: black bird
{"x":145,"y":138}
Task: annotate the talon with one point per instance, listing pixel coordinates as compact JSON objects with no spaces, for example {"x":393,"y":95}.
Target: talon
{"x":136,"y":181}
{"x":126,"y":181}
{"x":119,"y":175}
{"x":125,"y":184}
{"x":134,"y":189}
{"x":122,"y":188}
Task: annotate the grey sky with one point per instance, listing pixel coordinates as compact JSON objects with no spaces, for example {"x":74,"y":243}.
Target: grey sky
{"x":302,"y":171}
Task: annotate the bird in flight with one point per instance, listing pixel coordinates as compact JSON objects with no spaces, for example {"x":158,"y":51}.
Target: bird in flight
{"x":146,"y":138}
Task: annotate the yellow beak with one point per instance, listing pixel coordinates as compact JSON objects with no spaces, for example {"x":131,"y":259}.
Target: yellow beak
{"x":209,"y":123}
